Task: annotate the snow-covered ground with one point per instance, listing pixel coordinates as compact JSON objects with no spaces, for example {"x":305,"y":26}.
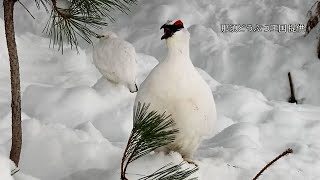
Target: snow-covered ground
{"x":75,"y":125}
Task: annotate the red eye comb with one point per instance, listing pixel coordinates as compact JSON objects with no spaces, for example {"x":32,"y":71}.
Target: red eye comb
{"x":178,"y":22}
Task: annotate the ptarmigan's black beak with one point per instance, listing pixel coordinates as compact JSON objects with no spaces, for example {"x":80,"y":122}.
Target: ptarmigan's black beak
{"x":170,"y":29}
{"x":167,"y":31}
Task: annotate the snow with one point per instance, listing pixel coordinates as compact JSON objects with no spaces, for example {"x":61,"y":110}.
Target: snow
{"x":61,"y":148}
{"x":5,"y":168}
{"x":58,"y":104}
{"x":75,"y":124}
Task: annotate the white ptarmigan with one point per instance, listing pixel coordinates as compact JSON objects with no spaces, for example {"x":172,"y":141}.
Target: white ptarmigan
{"x":115,"y":58}
{"x":174,"y":86}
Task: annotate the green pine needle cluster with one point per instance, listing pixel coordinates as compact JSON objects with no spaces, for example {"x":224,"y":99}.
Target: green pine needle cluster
{"x":151,"y":131}
{"x":172,"y":172}
{"x":81,"y":19}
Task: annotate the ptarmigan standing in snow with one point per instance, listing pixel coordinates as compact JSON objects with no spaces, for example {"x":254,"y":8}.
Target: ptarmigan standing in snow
{"x":176,"y":87}
{"x":116,"y":60}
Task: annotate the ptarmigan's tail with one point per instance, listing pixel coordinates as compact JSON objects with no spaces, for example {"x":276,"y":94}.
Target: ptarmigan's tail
{"x":133,"y":88}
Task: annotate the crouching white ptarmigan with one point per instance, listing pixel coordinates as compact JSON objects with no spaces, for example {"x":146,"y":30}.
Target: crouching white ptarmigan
{"x":174,"y":86}
{"x":116,"y":60}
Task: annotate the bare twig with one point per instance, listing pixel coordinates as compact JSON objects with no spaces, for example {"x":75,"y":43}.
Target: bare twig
{"x":318,"y":48}
{"x":292,"y":98}
{"x":288,"y":151}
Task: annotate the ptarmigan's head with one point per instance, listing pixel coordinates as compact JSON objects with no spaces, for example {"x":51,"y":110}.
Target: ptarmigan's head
{"x":107,"y":35}
{"x":171,"y":27}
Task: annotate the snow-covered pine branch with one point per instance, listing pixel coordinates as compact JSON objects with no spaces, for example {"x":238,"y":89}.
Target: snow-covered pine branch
{"x":152,"y":130}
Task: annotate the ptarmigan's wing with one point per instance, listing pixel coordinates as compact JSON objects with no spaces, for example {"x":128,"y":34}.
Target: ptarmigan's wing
{"x":116,"y":60}
{"x":103,"y":59}
{"x":127,"y":59}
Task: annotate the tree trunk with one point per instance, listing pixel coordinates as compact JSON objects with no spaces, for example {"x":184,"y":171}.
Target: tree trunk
{"x":15,"y":81}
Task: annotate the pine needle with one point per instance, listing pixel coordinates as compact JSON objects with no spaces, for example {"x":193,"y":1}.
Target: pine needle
{"x":171,"y":171}
{"x":81,"y":19}
{"x":13,"y":172}
{"x":26,"y":8}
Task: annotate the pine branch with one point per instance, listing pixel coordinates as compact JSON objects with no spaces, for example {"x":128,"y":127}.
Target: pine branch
{"x":81,"y":19}
{"x":151,"y":131}
{"x":148,"y":133}
{"x":288,"y":151}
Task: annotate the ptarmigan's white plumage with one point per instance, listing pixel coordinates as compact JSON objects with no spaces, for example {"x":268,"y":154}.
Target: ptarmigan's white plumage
{"x":176,"y":87}
{"x":116,"y":60}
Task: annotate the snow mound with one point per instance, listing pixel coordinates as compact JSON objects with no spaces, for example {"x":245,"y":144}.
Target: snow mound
{"x":248,"y":105}
{"x":52,"y":104}
{"x":238,"y":135}
{"x":54,"y":151}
